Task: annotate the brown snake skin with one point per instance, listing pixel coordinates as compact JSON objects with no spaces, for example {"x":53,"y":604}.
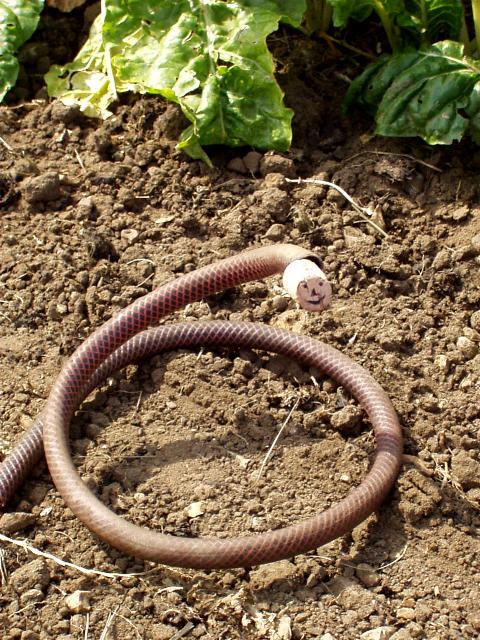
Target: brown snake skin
{"x":119,"y":342}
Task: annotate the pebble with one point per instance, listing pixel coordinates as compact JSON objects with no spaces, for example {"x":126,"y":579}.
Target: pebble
{"x":163,"y":632}
{"x":279,"y":303}
{"x":33,"y":575}
{"x":327,"y":636}
{"x":277,"y":202}
{"x":275,"y":232}
{"x":275,"y":163}
{"x":475,"y":321}
{"x":346,"y":419}
{"x":380,"y":633}
{"x":78,"y":601}
{"x":442,"y":363}
{"x":475,"y":241}
{"x":275,"y":180}
{"x":367,"y":575}
{"x":466,"y":470}
{"x":44,"y":188}
{"x":467,"y":347}
{"x":130,"y":235}
{"x":13,"y":522}
{"x":460,"y":213}
{"x":237,"y":165}
{"x":406,"y":613}
{"x":267,"y":575}
{"x":252,"y":161}
{"x":31,"y":596}
{"x":85,"y":206}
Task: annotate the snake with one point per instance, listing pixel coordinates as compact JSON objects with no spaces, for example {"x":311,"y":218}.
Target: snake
{"x":134,"y":334}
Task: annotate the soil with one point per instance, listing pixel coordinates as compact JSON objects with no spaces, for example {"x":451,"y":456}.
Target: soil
{"x":96,"y":214}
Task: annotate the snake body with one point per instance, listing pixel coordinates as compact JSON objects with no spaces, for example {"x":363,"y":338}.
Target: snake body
{"x":124,"y":339}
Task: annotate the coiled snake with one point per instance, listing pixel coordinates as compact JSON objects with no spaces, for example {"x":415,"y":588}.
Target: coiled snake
{"x":120,"y":342}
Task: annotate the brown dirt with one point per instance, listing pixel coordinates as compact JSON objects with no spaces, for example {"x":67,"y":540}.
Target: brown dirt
{"x":94,"y":215}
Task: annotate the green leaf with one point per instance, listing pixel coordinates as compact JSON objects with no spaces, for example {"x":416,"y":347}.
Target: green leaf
{"x":406,"y":22}
{"x":209,"y":56}
{"x":85,"y":81}
{"x":432,"y":20}
{"x":343,"y":10}
{"x":432,"y":93}
{"x":18,"y":20}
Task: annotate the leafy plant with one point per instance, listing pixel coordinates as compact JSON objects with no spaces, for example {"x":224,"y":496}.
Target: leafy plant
{"x":433,"y":93}
{"x":406,"y":22}
{"x":18,"y":20}
{"x":209,"y":56}
{"x":430,"y":90}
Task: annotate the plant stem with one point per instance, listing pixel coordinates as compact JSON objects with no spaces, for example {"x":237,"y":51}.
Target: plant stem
{"x":388,"y":25}
{"x":476,"y":22}
{"x":318,"y":16}
{"x":464,"y":37}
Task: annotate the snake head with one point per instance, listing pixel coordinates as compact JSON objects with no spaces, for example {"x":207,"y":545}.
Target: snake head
{"x":306,"y":283}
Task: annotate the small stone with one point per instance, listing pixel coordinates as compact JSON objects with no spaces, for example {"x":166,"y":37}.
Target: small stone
{"x":471,"y":334}
{"x":367,"y":575}
{"x":460,"y":213}
{"x":279,"y":303}
{"x":44,"y":188}
{"x":327,"y":636}
{"x":466,"y":470}
{"x":442,"y":363}
{"x":195,"y":509}
{"x":441,"y":260}
{"x":237,"y":165}
{"x":467,"y":347}
{"x":275,"y":232}
{"x":475,"y":242}
{"x":130,"y":235}
{"x":346,"y":419}
{"x":275,"y":180}
{"x":85,"y":206}
{"x":163,"y":632}
{"x":13,"y":522}
{"x":252,"y":161}
{"x":78,"y":601}
{"x":33,"y":575}
{"x":380,"y":633}
{"x":406,"y":613}
{"x":29,"y":635}
{"x":31,"y":596}
{"x":267,"y":575}
{"x":275,"y":163}
{"x":475,"y":321}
